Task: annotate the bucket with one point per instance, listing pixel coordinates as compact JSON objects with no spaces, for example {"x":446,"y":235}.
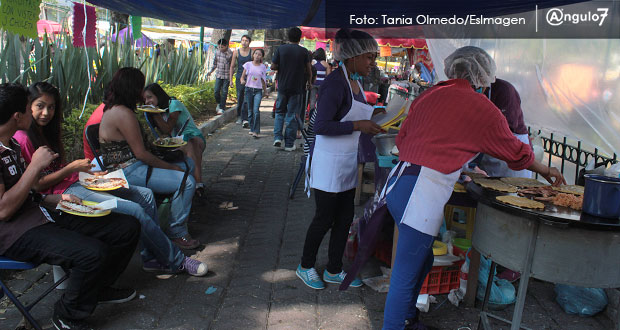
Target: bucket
{"x":601,"y":196}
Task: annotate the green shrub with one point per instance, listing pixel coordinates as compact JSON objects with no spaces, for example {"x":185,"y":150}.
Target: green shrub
{"x":72,"y":130}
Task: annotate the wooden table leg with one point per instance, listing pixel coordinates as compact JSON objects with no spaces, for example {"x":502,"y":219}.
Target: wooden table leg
{"x":472,"y":278}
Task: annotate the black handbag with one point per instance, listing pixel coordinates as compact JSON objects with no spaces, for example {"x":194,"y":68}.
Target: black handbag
{"x":168,"y":155}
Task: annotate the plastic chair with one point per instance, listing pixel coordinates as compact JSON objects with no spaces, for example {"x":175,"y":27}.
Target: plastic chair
{"x":92,"y":137}
{"x":6,"y":263}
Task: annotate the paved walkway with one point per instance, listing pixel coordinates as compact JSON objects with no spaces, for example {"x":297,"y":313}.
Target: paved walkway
{"x":253,"y":237}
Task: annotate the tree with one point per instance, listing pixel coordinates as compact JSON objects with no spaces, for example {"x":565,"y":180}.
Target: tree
{"x":273,"y":39}
{"x":118,"y":18}
{"x":219,"y":34}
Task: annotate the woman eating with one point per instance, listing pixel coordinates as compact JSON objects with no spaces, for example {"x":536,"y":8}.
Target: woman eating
{"x":122,"y":146}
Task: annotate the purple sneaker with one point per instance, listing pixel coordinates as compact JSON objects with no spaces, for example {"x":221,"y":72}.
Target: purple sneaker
{"x":194,"y":267}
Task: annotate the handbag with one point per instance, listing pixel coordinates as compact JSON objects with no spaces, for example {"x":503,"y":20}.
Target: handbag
{"x":168,"y":155}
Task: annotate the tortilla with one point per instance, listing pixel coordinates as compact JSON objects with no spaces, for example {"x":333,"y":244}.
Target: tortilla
{"x":169,"y":142}
{"x":521,"y":202}
{"x":79,"y":208}
{"x":523,"y":182}
{"x":474,"y":175}
{"x":570,"y":189}
{"x":495,"y":185}
{"x":104,"y":183}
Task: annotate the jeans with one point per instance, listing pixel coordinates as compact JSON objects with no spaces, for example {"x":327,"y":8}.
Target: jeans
{"x":253,"y":96}
{"x":286,"y":108}
{"x":413,"y":261}
{"x":334,"y":211}
{"x":163,"y":181}
{"x":96,"y":251}
{"x":139,"y":203}
{"x":242,"y":107}
{"x":221,"y":92}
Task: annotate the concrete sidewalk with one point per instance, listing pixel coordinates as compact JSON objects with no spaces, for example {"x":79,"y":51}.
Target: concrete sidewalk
{"x":253,"y":238}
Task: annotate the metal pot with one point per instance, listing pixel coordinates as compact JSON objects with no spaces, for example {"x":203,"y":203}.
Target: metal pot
{"x":602,"y":196}
{"x":384,"y":143}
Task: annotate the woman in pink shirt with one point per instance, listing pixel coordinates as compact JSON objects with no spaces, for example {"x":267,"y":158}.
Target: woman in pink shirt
{"x":254,"y":77}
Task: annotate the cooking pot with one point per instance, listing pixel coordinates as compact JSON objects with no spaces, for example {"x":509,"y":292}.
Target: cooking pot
{"x":602,"y":196}
{"x":384,"y":143}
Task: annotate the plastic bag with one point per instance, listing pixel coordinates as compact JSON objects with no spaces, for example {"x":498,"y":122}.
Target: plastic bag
{"x":580,"y":300}
{"x":502,"y":292}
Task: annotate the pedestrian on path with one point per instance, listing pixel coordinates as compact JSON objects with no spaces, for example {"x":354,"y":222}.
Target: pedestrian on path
{"x":240,"y":57}
{"x":221,"y":63}
{"x":254,"y":78}
{"x":294,"y":76}
{"x":342,"y":114}
{"x":158,"y":253}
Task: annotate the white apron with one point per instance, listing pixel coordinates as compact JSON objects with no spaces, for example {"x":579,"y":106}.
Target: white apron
{"x":333,"y":167}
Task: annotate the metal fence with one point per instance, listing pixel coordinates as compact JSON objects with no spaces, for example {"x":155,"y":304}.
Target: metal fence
{"x":568,"y":158}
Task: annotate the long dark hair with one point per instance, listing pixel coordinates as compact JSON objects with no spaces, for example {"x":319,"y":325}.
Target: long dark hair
{"x":50,"y":134}
{"x":125,"y":88}
{"x":163,"y":99}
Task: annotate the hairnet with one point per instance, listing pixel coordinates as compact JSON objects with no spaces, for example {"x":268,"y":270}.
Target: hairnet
{"x":351,"y":43}
{"x":473,"y":64}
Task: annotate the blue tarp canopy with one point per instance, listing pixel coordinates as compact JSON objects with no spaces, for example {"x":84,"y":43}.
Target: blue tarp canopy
{"x":274,"y":14}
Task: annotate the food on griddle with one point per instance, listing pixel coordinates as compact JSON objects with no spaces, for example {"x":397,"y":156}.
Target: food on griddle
{"x":474,"y":175}
{"x":79,"y":208}
{"x":523,"y":182}
{"x":495,"y":185}
{"x":545,"y":191}
{"x":521,"y":202}
{"x":567,"y":200}
{"x":570,"y":189}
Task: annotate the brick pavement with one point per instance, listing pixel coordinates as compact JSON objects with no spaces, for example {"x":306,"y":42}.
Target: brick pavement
{"x":253,"y":237}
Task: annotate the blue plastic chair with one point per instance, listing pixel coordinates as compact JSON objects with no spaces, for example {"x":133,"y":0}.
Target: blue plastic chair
{"x":6,"y":263}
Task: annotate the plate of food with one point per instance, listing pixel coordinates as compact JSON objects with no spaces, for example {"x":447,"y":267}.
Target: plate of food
{"x":170,"y":142}
{"x":150,"y":108}
{"x":83,"y":209}
{"x":103,"y":184}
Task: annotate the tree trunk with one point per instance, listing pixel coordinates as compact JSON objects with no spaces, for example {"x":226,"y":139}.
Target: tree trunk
{"x":120,"y":18}
{"x":219,"y":34}
{"x":273,"y":39}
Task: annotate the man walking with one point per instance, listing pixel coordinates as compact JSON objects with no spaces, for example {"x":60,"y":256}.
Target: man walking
{"x":239,"y":58}
{"x":221,"y":63}
{"x":294,"y":75}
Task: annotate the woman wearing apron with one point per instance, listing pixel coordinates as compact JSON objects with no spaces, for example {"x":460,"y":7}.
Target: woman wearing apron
{"x":342,"y":114}
{"x":447,"y":125}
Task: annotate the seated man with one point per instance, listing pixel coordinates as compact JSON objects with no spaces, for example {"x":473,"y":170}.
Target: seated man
{"x":94,"y":252}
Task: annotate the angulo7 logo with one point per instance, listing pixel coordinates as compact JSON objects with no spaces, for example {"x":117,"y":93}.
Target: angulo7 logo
{"x":557,"y":16}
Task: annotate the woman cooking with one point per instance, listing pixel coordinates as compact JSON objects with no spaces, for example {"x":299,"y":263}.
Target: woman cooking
{"x":447,"y":125}
{"x":342,"y":114}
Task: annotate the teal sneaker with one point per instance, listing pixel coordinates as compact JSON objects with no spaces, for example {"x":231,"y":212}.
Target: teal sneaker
{"x":338,"y":278}
{"x":310,"y":277}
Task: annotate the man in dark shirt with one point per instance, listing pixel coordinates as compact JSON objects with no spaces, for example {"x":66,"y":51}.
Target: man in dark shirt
{"x":94,"y":252}
{"x":294,"y":77}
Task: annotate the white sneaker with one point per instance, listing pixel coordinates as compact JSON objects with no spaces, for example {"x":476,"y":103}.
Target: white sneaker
{"x":246,"y":124}
{"x":277,"y":143}
{"x":290,"y":148}
{"x":238,"y":122}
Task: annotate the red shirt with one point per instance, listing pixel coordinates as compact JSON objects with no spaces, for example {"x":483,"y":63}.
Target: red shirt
{"x":95,"y":118}
{"x":450,"y":123}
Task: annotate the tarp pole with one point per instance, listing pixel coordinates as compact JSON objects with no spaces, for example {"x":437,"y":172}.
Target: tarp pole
{"x":202,"y":37}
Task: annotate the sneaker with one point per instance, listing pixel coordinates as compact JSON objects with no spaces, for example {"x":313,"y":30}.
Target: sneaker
{"x":338,"y":278}
{"x":61,"y":323}
{"x":194,"y":267}
{"x":290,"y":148}
{"x":238,"y":122}
{"x":200,"y":189}
{"x":310,"y":278}
{"x":246,"y":124}
{"x":277,"y":143}
{"x":186,"y":242}
{"x":112,"y":295}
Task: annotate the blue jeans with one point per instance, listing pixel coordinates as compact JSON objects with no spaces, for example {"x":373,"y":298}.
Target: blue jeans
{"x":221,"y":92}
{"x":253,"y":96}
{"x":286,"y":108}
{"x":138,"y":202}
{"x":164,"y":181}
{"x":413,"y":261}
{"x":242,"y":107}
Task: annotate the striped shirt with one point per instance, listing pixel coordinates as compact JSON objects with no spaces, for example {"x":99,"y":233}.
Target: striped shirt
{"x":320,"y":73}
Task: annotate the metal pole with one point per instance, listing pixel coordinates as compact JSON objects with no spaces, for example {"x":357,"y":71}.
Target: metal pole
{"x":525,"y":277}
{"x":202,"y":39}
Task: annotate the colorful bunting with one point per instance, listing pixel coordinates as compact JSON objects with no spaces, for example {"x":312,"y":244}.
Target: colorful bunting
{"x":78,"y":26}
{"x":136,"y":27}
